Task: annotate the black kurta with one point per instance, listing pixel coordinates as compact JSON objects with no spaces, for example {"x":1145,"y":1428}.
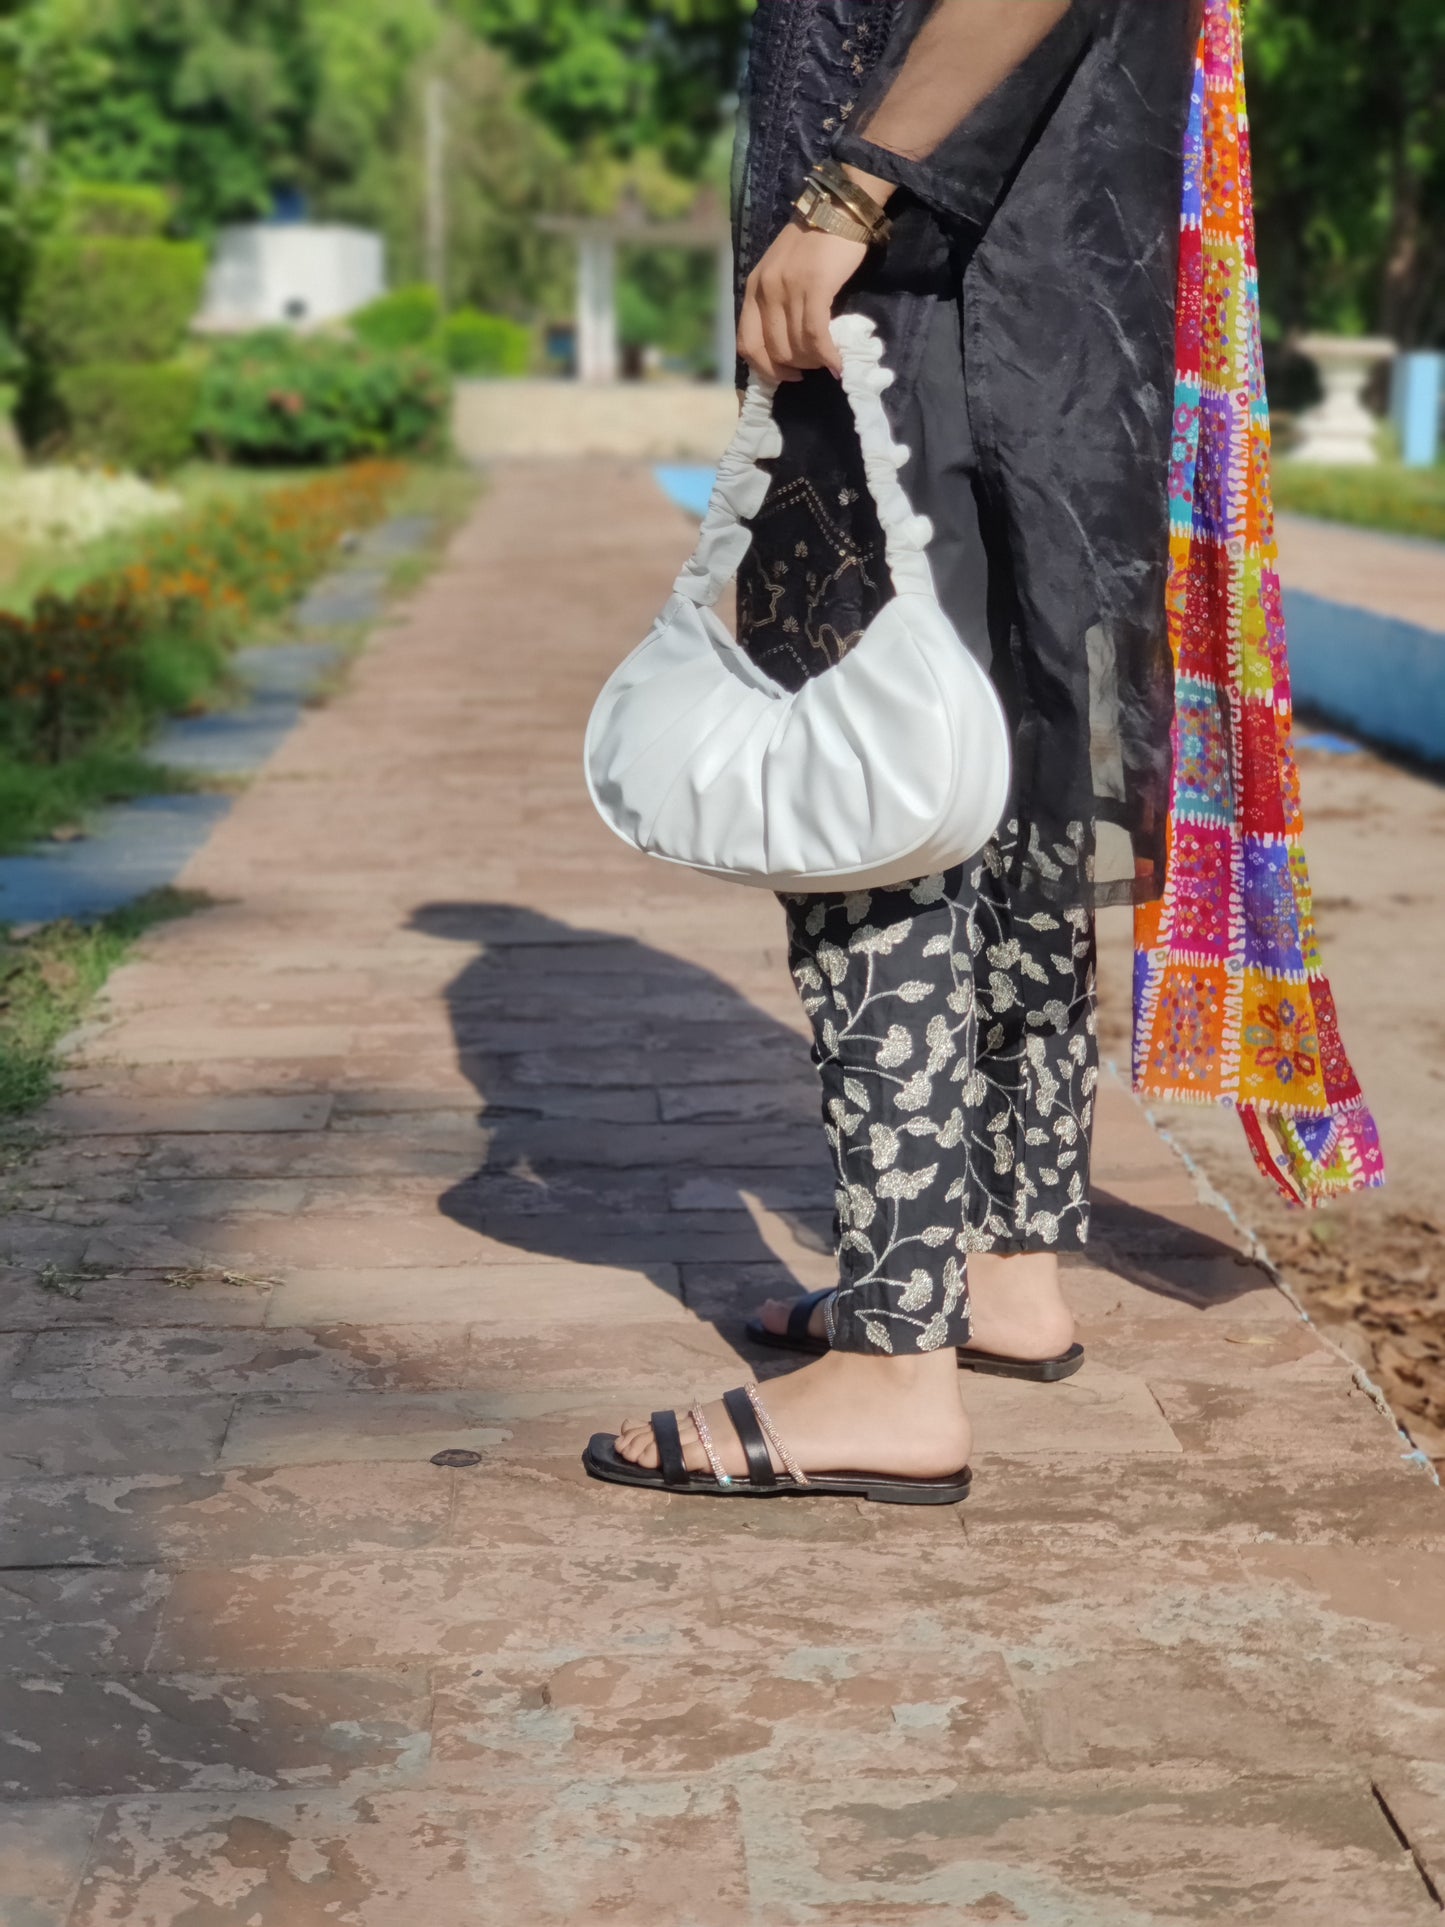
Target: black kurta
{"x":1027,"y":304}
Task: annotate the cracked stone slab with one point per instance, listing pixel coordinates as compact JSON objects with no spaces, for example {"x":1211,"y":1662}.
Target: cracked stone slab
{"x":1413,"y":1796}
{"x":297,"y":1511}
{"x":586,"y":1852}
{"x":43,"y":1851}
{"x":80,"y":1116}
{"x":1311,"y":1408}
{"x":832,"y":1713}
{"x":1225,"y":1501}
{"x":65,"y":1438}
{"x":14,"y":1348}
{"x":1264,"y":1852}
{"x":82,"y":1621}
{"x":1099,"y":1412}
{"x":147,"y":1733}
{"x":509,"y":1297}
{"x":899,"y":1591}
{"x":346,"y":1427}
{"x":161,"y":1363}
{"x":180,"y":1297}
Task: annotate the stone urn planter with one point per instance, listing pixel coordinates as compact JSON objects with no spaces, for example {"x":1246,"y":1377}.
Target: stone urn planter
{"x":1340,"y":429}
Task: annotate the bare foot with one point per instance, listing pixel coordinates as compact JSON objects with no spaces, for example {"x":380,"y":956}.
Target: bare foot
{"x":1017,"y":1307}
{"x":844,"y":1413}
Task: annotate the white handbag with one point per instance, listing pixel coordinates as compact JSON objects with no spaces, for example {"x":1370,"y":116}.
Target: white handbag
{"x":890,"y":765}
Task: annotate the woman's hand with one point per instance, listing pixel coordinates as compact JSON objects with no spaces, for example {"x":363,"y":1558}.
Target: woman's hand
{"x":788,"y":303}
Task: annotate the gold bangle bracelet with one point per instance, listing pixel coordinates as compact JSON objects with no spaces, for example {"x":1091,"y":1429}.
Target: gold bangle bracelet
{"x":843,"y":188}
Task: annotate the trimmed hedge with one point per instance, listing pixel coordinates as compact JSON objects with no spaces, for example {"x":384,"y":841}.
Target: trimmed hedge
{"x":405,"y":318}
{"x":107,"y":300}
{"x":133,"y":414}
{"x":485,"y":344}
{"x":101,"y":210}
{"x":278,"y":397}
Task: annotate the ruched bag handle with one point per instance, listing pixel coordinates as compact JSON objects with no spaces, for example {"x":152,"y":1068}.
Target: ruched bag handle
{"x":741,"y":484}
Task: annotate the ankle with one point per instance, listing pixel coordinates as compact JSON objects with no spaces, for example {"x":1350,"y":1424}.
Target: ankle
{"x":925,"y":1375}
{"x":1017,"y":1305}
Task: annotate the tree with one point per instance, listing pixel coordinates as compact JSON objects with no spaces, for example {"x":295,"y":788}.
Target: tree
{"x":618,"y":75}
{"x":229,"y":101}
{"x":503,"y":169}
{"x":1347,"y":108}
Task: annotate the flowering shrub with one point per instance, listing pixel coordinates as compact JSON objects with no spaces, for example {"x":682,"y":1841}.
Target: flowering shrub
{"x":280,"y":397}
{"x":78,"y":504}
{"x":79,"y":666}
{"x":254,"y":555}
{"x":66,"y":666}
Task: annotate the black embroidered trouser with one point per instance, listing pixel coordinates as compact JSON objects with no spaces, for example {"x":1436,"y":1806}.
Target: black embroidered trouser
{"x":954,"y":1033}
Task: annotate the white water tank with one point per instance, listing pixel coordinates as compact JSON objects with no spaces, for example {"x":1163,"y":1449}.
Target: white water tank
{"x":290,"y":273}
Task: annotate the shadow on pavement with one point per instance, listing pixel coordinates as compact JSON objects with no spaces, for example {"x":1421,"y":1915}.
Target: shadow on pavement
{"x":636,"y":1102}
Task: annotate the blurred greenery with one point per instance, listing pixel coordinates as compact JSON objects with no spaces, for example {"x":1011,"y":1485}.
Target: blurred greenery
{"x":562,"y":106}
{"x":623,"y":74}
{"x":405,"y":318}
{"x":111,"y":299}
{"x":276,"y":396}
{"x":133,"y":415}
{"x":485,"y":344}
{"x":1404,"y":501}
{"x":226,"y":101}
{"x":666,"y":298}
{"x":1347,"y":112}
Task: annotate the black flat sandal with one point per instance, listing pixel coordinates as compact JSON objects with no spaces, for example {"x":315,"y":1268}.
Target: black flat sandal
{"x":754,"y":1429}
{"x":797,"y":1338}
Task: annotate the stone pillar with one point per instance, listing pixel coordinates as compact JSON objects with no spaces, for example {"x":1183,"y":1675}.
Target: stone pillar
{"x":725,"y":335}
{"x":596,"y":305}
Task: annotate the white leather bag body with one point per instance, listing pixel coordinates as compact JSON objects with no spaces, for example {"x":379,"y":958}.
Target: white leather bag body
{"x":890,"y":765}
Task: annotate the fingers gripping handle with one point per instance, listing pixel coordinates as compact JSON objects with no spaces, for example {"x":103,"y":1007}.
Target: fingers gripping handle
{"x":742,"y":484}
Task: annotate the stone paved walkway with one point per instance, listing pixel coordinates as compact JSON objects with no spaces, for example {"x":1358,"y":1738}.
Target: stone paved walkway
{"x":452,"y":1125}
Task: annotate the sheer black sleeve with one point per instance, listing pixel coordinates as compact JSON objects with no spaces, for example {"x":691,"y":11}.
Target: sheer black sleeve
{"x":954,"y":105}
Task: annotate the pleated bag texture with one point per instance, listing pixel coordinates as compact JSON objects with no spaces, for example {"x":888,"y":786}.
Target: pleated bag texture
{"x":891,"y":764}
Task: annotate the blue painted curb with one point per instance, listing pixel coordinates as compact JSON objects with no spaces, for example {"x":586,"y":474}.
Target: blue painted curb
{"x":690,"y":488}
{"x":1368,"y":673}
{"x":135,"y":848}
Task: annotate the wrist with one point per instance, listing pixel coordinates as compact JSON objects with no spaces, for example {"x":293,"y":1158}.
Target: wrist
{"x":879,"y":190}
{"x":834,"y":201}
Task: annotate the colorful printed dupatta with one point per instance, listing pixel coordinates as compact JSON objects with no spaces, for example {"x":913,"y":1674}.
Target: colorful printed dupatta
{"x":1230,"y":1002}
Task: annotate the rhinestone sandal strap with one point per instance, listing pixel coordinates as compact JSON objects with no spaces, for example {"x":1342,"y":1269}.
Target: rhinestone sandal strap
{"x":794,"y":1470}
{"x":705,"y":1437}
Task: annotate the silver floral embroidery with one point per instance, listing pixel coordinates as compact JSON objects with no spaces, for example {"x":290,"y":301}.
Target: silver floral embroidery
{"x":917,"y":1050}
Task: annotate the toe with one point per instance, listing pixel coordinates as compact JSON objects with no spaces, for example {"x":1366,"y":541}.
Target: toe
{"x":638,"y":1447}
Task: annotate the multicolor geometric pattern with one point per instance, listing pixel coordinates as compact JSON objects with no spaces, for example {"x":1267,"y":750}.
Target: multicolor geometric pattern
{"x":1230,"y":1004}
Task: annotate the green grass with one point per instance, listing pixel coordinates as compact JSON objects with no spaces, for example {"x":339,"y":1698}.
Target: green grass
{"x":48,"y":981}
{"x":37,"y":799}
{"x":1402,"y":501}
